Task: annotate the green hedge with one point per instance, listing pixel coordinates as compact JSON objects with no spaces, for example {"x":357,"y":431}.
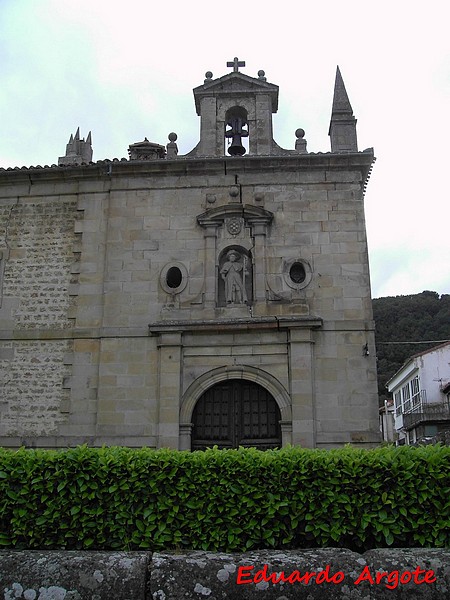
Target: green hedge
{"x":234,"y":500}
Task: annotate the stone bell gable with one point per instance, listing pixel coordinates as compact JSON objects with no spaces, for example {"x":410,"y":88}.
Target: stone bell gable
{"x":218,"y":297}
{"x":216,"y":101}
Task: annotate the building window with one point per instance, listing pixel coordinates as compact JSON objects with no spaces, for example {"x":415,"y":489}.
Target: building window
{"x":406,"y":397}
{"x":174,"y":278}
{"x":415,"y":392}
{"x":398,"y":403}
{"x":297,"y":273}
{"x":430,"y":430}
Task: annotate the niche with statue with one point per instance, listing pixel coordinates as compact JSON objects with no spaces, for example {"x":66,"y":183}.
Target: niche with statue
{"x":235,"y":277}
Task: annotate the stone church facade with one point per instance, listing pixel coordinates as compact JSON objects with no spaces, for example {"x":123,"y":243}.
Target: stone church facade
{"x":220,"y":297}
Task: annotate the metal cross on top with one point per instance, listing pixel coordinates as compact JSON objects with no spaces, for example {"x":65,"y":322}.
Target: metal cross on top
{"x":236,"y":63}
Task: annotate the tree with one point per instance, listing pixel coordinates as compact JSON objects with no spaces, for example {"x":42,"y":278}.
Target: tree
{"x":416,"y":318}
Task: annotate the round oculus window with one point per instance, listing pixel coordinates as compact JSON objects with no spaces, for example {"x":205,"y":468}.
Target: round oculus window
{"x":174,"y":277}
{"x":297,"y":273}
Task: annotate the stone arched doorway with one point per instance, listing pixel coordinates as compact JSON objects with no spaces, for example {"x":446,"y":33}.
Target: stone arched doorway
{"x":236,"y":412}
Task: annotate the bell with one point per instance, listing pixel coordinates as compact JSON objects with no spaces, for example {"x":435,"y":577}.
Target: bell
{"x":236,"y":133}
{"x":236,"y":148}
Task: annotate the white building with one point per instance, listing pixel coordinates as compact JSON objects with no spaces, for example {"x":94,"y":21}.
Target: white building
{"x":421,"y":396}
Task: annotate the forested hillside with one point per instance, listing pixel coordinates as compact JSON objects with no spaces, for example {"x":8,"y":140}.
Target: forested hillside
{"x":415,"y":318}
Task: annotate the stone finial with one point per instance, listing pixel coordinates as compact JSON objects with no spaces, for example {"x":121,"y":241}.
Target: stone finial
{"x":343,"y":124}
{"x":208,"y":77}
{"x":300,"y":143}
{"x":262,"y":75}
{"x":78,"y":151}
{"x":172,"y":148}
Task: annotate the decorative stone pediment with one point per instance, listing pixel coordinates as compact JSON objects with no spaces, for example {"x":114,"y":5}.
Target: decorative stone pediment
{"x":236,"y":83}
{"x":253,"y":215}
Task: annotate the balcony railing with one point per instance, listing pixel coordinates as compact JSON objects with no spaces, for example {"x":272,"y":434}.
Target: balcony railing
{"x":427,"y":413}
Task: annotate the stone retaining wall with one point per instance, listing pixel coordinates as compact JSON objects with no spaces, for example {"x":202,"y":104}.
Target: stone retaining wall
{"x":331,"y":574}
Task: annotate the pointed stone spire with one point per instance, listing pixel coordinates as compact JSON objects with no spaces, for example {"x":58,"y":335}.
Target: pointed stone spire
{"x":78,"y":151}
{"x":341,"y":103}
{"x":343,"y":124}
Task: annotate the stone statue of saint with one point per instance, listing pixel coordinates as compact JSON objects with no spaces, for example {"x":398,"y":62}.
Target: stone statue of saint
{"x":233,"y":273}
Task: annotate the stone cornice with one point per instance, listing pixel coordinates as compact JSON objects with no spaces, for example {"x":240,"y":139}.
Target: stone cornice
{"x":258,"y":323}
{"x":105,"y":170}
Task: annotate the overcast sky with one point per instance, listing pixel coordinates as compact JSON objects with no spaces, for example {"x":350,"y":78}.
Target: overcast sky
{"x":126,"y":70}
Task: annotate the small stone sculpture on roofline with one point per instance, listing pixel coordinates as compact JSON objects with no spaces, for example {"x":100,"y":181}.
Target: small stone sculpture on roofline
{"x":233,"y":273}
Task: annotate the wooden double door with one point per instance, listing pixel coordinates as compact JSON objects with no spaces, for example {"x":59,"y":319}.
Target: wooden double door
{"x":236,"y":413}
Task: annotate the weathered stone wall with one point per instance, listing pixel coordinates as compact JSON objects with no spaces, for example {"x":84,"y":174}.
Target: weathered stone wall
{"x":37,"y":241}
{"x":34,"y":401}
{"x":149,"y":221}
{"x":85,"y":252}
{"x":127,"y":403}
{"x":328,"y":574}
{"x":38,"y":238}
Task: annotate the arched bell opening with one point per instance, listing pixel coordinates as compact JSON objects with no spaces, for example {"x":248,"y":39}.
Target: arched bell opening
{"x":234,"y":413}
{"x":236,"y":131}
